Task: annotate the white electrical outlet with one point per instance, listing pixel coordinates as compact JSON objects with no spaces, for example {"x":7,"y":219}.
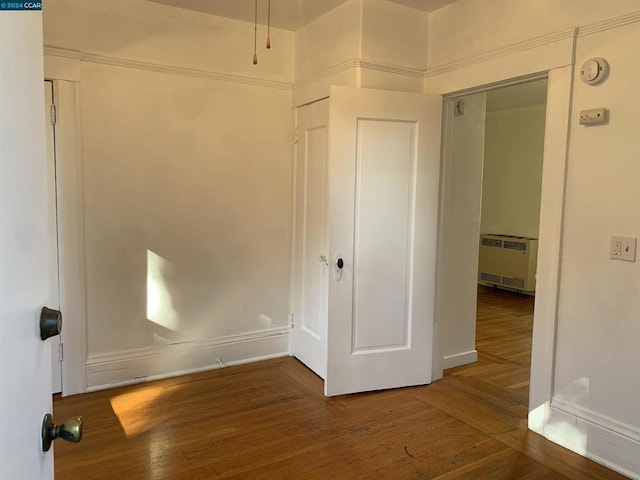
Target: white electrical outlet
{"x":623,"y":248}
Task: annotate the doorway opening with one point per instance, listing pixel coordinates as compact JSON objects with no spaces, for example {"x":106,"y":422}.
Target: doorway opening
{"x":492,"y":178}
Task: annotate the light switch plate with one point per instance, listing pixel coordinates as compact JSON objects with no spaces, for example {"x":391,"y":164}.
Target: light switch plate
{"x":623,"y":248}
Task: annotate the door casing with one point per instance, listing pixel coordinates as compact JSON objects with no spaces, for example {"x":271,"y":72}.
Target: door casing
{"x":559,"y":90}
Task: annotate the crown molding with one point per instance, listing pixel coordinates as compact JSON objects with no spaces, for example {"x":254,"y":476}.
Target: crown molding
{"x":363,"y":64}
{"x":503,"y":52}
{"x":604,"y":25}
{"x":63,"y":52}
{"x":380,"y":67}
{"x":163,"y":68}
{"x":327,"y":72}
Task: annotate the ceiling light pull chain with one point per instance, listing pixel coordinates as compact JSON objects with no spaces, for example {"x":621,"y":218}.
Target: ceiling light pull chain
{"x":255,"y":35}
{"x":269,"y":24}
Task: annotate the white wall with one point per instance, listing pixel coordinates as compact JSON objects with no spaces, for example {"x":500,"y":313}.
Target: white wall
{"x":362,"y":43}
{"x":597,"y":342}
{"x":186,"y":162}
{"x":393,"y":34}
{"x":155,"y":33}
{"x":327,"y":42}
{"x":468,"y":28}
{"x":593,"y":409}
{"x":512,"y":172}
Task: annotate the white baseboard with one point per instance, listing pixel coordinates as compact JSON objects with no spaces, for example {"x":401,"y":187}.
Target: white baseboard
{"x":604,"y":440}
{"x":458,"y":359}
{"x":152,"y":363}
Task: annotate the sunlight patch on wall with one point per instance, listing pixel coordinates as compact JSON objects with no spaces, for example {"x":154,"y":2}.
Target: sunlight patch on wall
{"x":138,"y":412}
{"x":160,"y":309}
{"x":568,"y":434}
{"x":538,"y":417}
{"x":567,"y":430}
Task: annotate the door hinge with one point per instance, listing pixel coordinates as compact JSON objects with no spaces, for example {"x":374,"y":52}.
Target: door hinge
{"x":60,"y":352}
{"x":291,"y":319}
{"x":295,"y":136}
{"x":53,"y":114}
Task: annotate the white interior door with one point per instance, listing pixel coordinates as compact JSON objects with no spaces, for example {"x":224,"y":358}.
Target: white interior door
{"x":310,"y":263}
{"x":54,"y":268}
{"x":384,"y":166}
{"x":25,"y":360}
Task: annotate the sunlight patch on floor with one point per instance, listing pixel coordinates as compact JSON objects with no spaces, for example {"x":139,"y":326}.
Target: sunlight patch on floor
{"x":137,"y":411}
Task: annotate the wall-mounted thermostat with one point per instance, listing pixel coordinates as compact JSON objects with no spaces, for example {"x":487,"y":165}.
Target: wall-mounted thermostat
{"x":594,"y":71}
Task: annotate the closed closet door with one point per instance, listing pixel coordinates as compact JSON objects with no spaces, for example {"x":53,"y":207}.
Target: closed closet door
{"x":310,"y":262}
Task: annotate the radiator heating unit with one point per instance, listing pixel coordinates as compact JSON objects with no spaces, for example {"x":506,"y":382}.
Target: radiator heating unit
{"x":508,"y":262}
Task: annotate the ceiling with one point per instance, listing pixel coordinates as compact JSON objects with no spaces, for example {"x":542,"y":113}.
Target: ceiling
{"x":286,"y":14}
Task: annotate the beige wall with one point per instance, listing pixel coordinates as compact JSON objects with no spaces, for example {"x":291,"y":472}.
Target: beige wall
{"x":468,"y":28}
{"x":186,"y":184}
{"x":512,"y":171}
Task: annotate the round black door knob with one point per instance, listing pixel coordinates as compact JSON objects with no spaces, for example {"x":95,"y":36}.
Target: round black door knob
{"x":339,"y":263}
{"x":50,"y":323}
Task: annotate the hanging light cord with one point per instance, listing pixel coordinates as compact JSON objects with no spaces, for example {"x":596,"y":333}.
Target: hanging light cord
{"x":255,"y":35}
{"x":269,"y":25}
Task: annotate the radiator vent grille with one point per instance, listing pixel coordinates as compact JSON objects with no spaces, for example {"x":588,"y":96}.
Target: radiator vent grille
{"x":508,"y":261}
{"x":491,"y":242}
{"x":487,"y":277}
{"x":515,"y":245}
{"x":513,"y":282}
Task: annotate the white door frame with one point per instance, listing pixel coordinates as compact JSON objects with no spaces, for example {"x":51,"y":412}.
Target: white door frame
{"x":554,"y":59}
{"x":70,"y":236}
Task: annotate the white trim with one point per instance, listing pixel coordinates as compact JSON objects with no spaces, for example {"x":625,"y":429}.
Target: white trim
{"x":593,"y":436}
{"x":326,"y":73}
{"x":556,"y":140}
{"x":458,"y":359}
{"x":602,"y":421}
{"x":367,"y":65}
{"x":610,"y":24}
{"x":509,"y":64}
{"x":163,"y":68}
{"x":70,"y":236}
{"x":516,"y":48}
{"x":350,"y":74}
{"x":553,"y":54}
{"x":143,"y":364}
{"x":179,"y":373}
{"x":381,"y":67}
{"x":63,"y":52}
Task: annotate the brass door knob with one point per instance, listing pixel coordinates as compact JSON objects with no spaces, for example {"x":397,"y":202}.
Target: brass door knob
{"x":70,"y":431}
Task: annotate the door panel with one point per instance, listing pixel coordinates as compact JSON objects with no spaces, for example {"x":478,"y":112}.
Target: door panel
{"x":24,"y":249}
{"x":383,"y":207}
{"x":310,"y":277}
{"x":385,"y":200}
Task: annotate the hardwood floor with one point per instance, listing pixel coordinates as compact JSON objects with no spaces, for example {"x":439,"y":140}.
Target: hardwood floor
{"x":269,"y":420}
